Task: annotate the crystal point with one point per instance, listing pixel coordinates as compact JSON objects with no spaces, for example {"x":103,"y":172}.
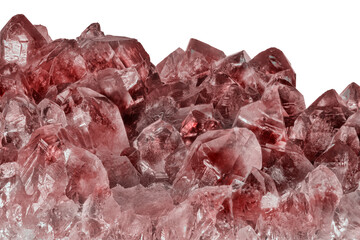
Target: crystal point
{"x":351,"y":96}
{"x":95,"y":119}
{"x":272,"y":61}
{"x":19,"y":40}
{"x":155,"y":143}
{"x":321,"y":120}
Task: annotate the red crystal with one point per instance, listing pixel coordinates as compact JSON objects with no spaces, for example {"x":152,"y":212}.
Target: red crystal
{"x":19,"y":40}
{"x":98,"y":143}
{"x":351,"y":96}
{"x":315,"y":127}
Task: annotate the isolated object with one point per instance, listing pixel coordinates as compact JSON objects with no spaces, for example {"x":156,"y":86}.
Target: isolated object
{"x":98,"y":143}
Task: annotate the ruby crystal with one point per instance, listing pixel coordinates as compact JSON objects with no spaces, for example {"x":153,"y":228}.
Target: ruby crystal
{"x":99,"y":143}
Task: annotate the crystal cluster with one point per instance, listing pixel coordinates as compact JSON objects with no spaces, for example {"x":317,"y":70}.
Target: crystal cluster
{"x":99,"y":143}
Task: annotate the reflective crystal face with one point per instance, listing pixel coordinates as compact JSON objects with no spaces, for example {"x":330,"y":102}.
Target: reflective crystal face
{"x":96,"y":142}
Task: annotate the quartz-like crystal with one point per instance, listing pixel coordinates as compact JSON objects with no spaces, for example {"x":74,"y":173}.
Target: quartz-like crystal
{"x":155,"y":143}
{"x":19,"y":40}
{"x":315,"y":127}
{"x":96,"y":142}
{"x":351,"y":96}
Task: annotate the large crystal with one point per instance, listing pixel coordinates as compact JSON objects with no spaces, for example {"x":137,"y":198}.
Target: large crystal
{"x":95,"y":121}
{"x":218,"y":156}
{"x":155,"y":143}
{"x":311,"y":207}
{"x":344,"y":162}
{"x":20,"y":119}
{"x":258,"y":194}
{"x":19,"y":40}
{"x":316,"y":126}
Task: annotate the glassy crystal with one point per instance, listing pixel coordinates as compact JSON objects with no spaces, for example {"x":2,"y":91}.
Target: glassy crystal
{"x":219,"y":153}
{"x":99,"y":143}
{"x":95,"y":120}
{"x":155,"y":143}
{"x":351,"y":96}
{"x":320,"y":120}
{"x":19,"y":40}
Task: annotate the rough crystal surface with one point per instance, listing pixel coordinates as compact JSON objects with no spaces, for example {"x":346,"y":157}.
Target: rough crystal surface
{"x":96,"y":142}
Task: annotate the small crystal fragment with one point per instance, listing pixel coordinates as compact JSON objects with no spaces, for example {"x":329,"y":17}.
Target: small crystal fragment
{"x":224,"y":65}
{"x":120,"y":171}
{"x":346,"y":218}
{"x":44,"y":32}
{"x":20,"y":119}
{"x":198,"y":59}
{"x":197,"y":123}
{"x":289,"y":167}
{"x":153,"y":201}
{"x":195,"y":217}
{"x":51,"y":113}
{"x":92,"y":31}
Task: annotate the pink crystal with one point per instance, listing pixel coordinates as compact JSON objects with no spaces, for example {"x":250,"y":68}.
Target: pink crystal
{"x":19,"y":40}
{"x":351,"y":96}
{"x":248,"y":200}
{"x":168,"y":67}
{"x":320,"y":121}
{"x":344,"y":162}
{"x":155,"y":143}
{"x":346,"y":217}
{"x":94,"y":119}
{"x":216,"y":155}
{"x":99,"y":143}
{"x":265,"y":118}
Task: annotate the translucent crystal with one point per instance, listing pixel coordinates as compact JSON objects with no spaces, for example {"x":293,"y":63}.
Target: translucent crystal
{"x":99,"y":143}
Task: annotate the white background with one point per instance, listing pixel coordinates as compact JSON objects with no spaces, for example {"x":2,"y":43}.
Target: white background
{"x":320,"y":38}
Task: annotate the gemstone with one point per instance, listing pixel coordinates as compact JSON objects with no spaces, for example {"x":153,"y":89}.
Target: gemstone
{"x":344,"y":162}
{"x":168,"y":67}
{"x":19,"y":40}
{"x":96,"y":142}
{"x":312,"y":207}
{"x":346,"y":216}
{"x":197,"y":122}
{"x":265,"y":118}
{"x":155,"y":143}
{"x":258,"y":194}
{"x":273,"y":61}
{"x":288,"y":168}
{"x":351,"y":96}
{"x":198,"y":59}
{"x":94,"y":120}
{"x":217,"y":157}
{"x":19,"y":119}
{"x":316,"y":126}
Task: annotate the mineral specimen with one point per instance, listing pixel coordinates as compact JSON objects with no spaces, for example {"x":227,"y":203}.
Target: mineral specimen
{"x":99,"y":143}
